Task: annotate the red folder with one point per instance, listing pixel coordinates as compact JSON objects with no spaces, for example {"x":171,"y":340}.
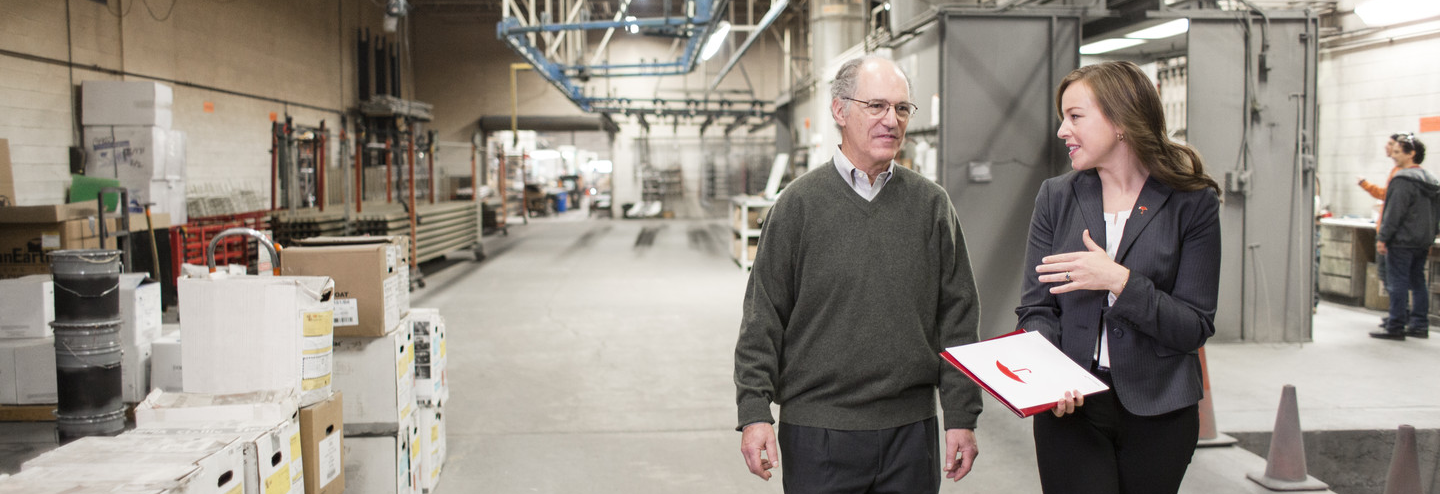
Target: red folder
{"x":1056,"y":365}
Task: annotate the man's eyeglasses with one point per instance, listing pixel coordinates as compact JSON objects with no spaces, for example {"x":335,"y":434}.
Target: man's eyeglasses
{"x":877,"y":108}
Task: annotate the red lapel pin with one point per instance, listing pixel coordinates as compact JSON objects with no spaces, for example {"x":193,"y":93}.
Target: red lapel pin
{"x":1142,"y":210}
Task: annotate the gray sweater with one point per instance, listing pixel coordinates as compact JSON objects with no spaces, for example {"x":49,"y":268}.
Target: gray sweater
{"x":850,"y":303}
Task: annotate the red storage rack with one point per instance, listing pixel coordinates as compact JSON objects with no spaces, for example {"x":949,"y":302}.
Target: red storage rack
{"x":188,"y":242}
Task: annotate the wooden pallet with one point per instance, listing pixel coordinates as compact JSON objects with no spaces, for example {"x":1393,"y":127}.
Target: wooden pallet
{"x":27,"y":413}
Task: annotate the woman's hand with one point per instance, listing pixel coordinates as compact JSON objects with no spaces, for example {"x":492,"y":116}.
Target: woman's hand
{"x":1073,"y":399}
{"x":1091,"y":269}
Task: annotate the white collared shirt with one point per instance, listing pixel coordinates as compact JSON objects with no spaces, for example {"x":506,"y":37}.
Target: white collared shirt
{"x":858,"y":180}
{"x":1114,"y":229}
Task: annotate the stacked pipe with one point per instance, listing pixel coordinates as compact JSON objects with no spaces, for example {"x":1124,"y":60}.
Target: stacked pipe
{"x":87,"y":343}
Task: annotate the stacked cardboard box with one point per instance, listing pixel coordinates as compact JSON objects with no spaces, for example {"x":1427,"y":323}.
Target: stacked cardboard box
{"x":127,"y":136}
{"x":29,"y":233}
{"x":374,"y":356}
{"x":27,"y":347}
{"x":431,"y":379}
{"x":187,"y":465}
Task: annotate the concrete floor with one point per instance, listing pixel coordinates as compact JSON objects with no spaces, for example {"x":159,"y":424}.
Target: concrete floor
{"x":587,"y":360}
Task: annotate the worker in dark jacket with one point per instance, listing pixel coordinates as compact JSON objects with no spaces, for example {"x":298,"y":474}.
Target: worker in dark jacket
{"x":1407,"y":231}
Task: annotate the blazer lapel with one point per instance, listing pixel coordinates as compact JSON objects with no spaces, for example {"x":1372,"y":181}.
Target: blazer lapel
{"x":1092,"y":204}
{"x":1147,"y":206}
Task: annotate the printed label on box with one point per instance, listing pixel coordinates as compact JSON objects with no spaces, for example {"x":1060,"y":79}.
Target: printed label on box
{"x":316,"y":373}
{"x":330,"y":467}
{"x":50,"y":240}
{"x":319,"y":323}
{"x":347,"y":312}
{"x":279,"y":482}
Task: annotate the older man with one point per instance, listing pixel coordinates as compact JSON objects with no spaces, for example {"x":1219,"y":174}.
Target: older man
{"x":861,"y":280}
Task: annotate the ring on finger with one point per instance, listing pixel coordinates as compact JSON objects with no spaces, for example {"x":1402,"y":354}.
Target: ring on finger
{"x":1067,"y":276}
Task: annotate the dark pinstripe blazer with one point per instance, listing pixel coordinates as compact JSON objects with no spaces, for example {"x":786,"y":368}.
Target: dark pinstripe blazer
{"x":1171,"y":245}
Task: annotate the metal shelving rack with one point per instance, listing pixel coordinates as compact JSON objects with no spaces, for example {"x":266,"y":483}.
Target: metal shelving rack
{"x":746,"y":215}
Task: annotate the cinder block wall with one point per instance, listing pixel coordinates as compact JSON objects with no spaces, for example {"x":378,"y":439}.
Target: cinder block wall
{"x":246,"y":58}
{"x":1366,"y":93}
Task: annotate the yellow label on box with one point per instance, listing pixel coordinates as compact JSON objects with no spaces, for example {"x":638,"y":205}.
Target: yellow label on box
{"x":435,"y":433}
{"x":316,"y":383}
{"x":295,"y":446}
{"x":442,"y":348}
{"x":279,"y":482}
{"x":319,"y":323}
{"x":239,"y":487}
{"x":318,"y":351}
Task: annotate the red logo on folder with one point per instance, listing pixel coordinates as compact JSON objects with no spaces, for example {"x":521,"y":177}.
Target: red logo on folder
{"x":1009,"y":373}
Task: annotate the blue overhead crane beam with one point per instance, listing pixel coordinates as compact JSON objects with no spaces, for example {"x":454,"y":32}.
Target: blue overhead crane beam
{"x":700,"y":26}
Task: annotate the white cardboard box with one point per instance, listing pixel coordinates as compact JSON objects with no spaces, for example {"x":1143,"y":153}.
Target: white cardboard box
{"x":165,"y":364}
{"x":428,"y":327}
{"x":378,"y":379}
{"x":164,"y":478}
{"x":380,"y":464}
{"x":139,"y":310}
{"x":135,"y":372}
{"x":27,"y":307}
{"x":148,"y":161}
{"x":126,"y":103}
{"x":27,"y":371}
{"x":162,"y":407}
{"x":220,"y":458}
{"x":257,"y":333}
{"x":432,"y":446}
{"x":273,"y":461}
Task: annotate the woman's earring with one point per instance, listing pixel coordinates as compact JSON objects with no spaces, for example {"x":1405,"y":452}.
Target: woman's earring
{"x":1120,"y":136}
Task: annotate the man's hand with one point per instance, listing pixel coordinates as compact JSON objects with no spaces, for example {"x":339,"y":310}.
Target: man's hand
{"x":759,"y":438}
{"x":961,"y":442}
{"x":1380,"y":248}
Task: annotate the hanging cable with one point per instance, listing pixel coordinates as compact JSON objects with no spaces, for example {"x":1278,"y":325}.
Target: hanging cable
{"x":121,"y":6}
{"x":167,"y":12}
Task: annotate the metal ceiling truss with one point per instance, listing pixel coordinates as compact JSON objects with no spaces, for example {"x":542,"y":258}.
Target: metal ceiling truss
{"x":562,"y":59}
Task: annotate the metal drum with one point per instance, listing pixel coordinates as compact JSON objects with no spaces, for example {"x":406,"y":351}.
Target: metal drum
{"x":87,"y":285}
{"x":87,"y":378}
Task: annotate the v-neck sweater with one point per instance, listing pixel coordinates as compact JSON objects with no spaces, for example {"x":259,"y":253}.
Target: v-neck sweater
{"x":849,"y":304}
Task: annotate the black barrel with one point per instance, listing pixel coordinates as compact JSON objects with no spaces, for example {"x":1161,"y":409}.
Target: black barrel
{"x":87,"y":379}
{"x":87,"y":285}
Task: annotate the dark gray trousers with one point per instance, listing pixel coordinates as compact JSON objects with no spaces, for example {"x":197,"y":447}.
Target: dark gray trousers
{"x":902,"y":460}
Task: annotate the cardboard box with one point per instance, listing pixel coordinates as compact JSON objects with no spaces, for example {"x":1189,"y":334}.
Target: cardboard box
{"x":27,"y":307}
{"x":432,"y":446}
{"x":140,"y":310}
{"x":257,"y":333}
{"x":273,"y":459}
{"x":7,"y":175}
{"x":29,"y":233}
{"x":135,"y":364}
{"x":220,"y":459}
{"x":27,"y":371}
{"x":414,"y":450}
{"x":166,"y":370}
{"x":322,"y":432}
{"x":164,"y":478}
{"x":428,"y":328}
{"x":367,"y":289}
{"x":378,"y":379}
{"x":379,"y":464}
{"x":148,"y":161}
{"x":266,"y":407}
{"x":126,"y":103}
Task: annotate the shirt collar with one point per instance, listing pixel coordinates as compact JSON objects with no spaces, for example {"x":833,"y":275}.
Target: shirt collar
{"x":847,"y":169}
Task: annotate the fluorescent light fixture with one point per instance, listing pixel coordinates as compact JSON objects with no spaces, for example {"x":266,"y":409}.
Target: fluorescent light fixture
{"x":631,"y":28}
{"x":1109,"y":45}
{"x":717,"y":38}
{"x":1162,"y":31}
{"x":1386,"y":12}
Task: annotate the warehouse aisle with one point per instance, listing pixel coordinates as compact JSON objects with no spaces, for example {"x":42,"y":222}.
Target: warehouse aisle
{"x":593,"y":356}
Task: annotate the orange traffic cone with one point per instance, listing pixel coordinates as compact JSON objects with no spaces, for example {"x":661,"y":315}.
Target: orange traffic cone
{"x":1209,"y":435}
{"x":1404,"y":475}
{"x":1285,"y":465}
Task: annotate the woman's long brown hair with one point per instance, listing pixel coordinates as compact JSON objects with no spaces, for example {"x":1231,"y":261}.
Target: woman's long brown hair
{"x":1129,"y":100}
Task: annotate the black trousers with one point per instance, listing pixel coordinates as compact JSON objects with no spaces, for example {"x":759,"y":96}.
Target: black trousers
{"x":902,"y":460}
{"x":1104,"y":449}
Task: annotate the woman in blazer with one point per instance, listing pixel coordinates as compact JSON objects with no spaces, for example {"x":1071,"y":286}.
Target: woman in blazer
{"x":1122,"y":274}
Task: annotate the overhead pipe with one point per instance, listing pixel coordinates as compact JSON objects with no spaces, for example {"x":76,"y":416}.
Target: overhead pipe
{"x":769,"y":18}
